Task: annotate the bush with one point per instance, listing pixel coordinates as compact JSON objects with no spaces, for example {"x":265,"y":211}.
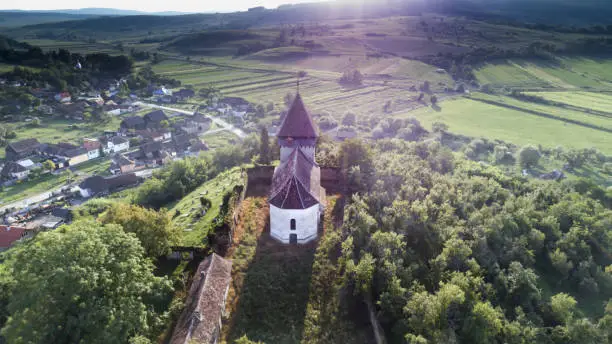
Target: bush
{"x":502,"y":155}
{"x":528,"y":156}
{"x":607,"y":167}
{"x":439,"y":127}
{"x":353,"y":78}
{"x":327,"y":123}
{"x":349,"y":119}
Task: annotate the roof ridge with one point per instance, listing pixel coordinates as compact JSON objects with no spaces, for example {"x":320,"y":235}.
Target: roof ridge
{"x":198,"y":297}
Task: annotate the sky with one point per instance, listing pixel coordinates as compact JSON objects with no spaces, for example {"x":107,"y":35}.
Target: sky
{"x":148,"y":5}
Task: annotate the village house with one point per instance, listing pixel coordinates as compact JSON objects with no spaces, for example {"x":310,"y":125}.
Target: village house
{"x":63,"y":97}
{"x":196,"y":124}
{"x":296,"y":198}
{"x":154,"y":119}
{"x":92,"y":146}
{"x":237,"y":103}
{"x":182,"y":143}
{"x":97,"y":185}
{"x":121,"y":164}
{"x":76,"y":156}
{"x":154,"y":154}
{"x":112,"y":109}
{"x":21,"y":149}
{"x":162,"y":91}
{"x":116,"y":144}
{"x":200,"y":321}
{"x":184,"y":94}
{"x":132,"y":123}
{"x":197,"y":147}
{"x":13,"y":171}
{"x":10,"y":235}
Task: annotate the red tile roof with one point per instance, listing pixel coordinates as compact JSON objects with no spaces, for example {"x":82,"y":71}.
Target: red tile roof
{"x":296,"y":183}
{"x":297,"y":123}
{"x":8,"y":235}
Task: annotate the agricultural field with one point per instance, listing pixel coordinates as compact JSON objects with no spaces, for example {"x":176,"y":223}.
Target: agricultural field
{"x":474,"y":118}
{"x":187,"y":213}
{"x":601,"y":102}
{"x":566,"y":73}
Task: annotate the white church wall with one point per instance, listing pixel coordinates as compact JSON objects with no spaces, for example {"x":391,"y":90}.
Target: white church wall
{"x":306,"y":223}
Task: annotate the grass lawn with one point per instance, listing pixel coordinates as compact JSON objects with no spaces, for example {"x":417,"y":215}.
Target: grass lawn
{"x":50,"y":181}
{"x":56,"y":130}
{"x":220,"y":139}
{"x":28,"y":188}
{"x":477,"y":119}
{"x":582,"y":117}
{"x":187,"y":211}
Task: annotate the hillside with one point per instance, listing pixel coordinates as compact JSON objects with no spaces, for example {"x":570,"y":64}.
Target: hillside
{"x":13,"y":19}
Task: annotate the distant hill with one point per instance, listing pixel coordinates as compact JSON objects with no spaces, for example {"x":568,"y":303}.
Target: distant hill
{"x":554,"y":12}
{"x":16,"y":18}
{"x":100,"y":11}
{"x":9,"y":19}
{"x":104,"y":23}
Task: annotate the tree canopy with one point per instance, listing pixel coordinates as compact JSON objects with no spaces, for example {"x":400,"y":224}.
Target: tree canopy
{"x":451,"y":251}
{"x":154,"y":229}
{"x":83,"y":283}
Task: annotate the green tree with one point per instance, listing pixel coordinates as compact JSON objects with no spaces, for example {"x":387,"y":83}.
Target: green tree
{"x":260,"y":110}
{"x":153,"y":228}
{"x":288,"y":99}
{"x":245,"y":340}
{"x":528,"y":156}
{"x":349,"y":119}
{"x":48,"y":165}
{"x":439,"y":127}
{"x":562,"y":306}
{"x":264,"y":146}
{"x":83,"y":283}
{"x":35,"y":122}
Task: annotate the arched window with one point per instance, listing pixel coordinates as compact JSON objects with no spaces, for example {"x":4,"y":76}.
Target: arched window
{"x":292,"y":224}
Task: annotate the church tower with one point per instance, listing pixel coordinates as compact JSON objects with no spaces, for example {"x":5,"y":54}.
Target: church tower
{"x":296,"y":198}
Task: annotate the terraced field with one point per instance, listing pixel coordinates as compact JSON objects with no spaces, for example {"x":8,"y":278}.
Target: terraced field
{"x":566,"y":73}
{"x":588,"y":100}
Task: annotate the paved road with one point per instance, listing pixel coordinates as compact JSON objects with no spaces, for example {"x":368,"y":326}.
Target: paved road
{"x":236,"y":131}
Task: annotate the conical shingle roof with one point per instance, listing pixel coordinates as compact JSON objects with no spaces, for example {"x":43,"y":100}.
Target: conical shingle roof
{"x":297,"y":123}
{"x":296,"y":183}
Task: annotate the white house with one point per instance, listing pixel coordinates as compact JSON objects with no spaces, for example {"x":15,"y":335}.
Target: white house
{"x":63,"y":97}
{"x":297,"y":198}
{"x":13,"y":170}
{"x":93,"y":154}
{"x":117,"y":144}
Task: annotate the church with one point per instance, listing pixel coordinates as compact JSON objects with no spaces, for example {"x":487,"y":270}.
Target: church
{"x":296,"y":196}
